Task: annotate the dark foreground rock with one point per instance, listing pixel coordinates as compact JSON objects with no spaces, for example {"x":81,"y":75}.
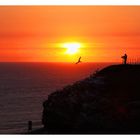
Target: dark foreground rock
{"x":106,"y":102}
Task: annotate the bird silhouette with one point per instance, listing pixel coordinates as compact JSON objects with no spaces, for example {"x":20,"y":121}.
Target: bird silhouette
{"x":78,"y":60}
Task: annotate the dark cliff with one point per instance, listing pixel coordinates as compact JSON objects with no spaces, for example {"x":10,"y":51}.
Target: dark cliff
{"x":106,"y":102}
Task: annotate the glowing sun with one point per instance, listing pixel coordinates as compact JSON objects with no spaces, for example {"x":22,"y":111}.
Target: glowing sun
{"x":72,"y":48}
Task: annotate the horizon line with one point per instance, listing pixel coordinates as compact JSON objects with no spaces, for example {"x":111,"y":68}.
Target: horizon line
{"x":56,"y":62}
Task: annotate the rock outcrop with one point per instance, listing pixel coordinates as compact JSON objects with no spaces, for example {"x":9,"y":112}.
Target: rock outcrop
{"x":106,"y":102}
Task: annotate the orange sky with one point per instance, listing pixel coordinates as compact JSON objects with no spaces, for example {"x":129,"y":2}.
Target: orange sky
{"x":36,"y":33}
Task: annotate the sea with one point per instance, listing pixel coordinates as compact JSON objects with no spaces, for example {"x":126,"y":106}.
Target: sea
{"x":25,"y":86}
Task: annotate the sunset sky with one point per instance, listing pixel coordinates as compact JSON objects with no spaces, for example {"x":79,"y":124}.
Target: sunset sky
{"x":40,"y":33}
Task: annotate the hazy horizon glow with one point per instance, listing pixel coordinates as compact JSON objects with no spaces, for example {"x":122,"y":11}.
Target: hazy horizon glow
{"x":36,"y":33}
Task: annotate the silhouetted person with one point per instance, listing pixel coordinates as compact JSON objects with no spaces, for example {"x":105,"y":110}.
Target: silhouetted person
{"x":124,"y":58}
{"x":79,"y":60}
{"x":29,"y":126}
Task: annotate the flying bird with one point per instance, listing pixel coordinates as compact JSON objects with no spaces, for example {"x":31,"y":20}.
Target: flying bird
{"x":78,"y":60}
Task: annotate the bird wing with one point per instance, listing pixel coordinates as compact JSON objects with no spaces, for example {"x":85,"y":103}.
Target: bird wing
{"x":79,"y":58}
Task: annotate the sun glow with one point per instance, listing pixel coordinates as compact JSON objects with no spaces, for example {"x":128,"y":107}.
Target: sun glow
{"x":72,"y":48}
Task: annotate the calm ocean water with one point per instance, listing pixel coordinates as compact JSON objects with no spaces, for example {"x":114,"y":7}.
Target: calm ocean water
{"x":24,"y":87}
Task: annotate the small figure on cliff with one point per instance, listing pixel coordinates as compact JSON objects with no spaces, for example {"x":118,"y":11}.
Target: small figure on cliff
{"x":124,"y":58}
